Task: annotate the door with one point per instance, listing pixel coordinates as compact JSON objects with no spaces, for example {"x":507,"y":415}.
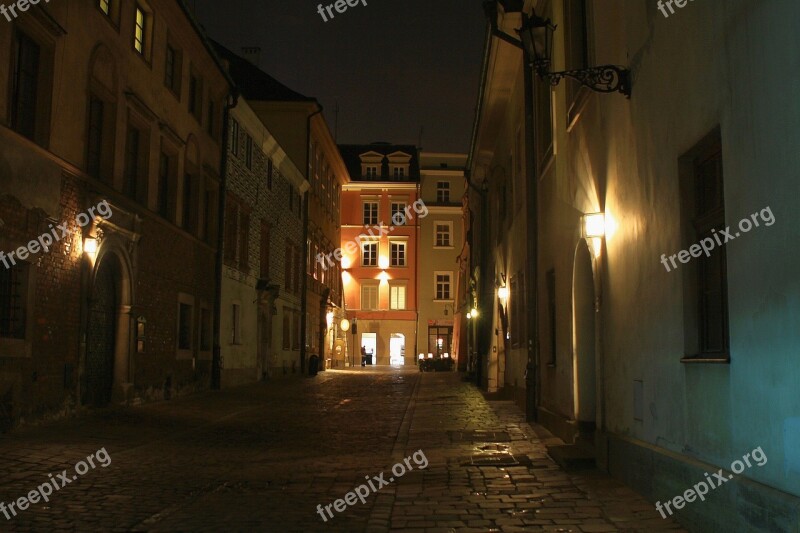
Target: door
{"x":370,"y":342}
{"x":397,"y":349}
{"x":101,"y":337}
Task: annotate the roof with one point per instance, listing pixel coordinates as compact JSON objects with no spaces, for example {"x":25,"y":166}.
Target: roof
{"x":254,"y":83}
{"x":351,"y":155}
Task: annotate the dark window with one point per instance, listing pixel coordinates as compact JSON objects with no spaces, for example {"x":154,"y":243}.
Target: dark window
{"x":94,"y":141}
{"x":172,"y":70}
{"x":369,"y":254}
{"x":398,"y":254}
{"x":248,"y":154}
{"x":184,"y":326}
{"x":265,"y":238}
{"x":189,"y":207}
{"x":195,"y":96}
{"x":442,"y":286}
{"x":25,"y":85}
{"x":135,"y":167}
{"x":211,"y":122}
{"x":165,"y":167}
{"x":288,"y":269}
{"x":231,"y":231}
{"x":270,"y":170}
{"x":235,"y":137}
{"x":13,"y":293}
{"x":443,"y":192}
{"x":706,"y":286}
{"x":244,"y":241}
{"x":287,"y":331}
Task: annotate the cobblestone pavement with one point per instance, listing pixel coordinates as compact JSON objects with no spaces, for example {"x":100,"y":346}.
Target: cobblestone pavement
{"x":262,"y":457}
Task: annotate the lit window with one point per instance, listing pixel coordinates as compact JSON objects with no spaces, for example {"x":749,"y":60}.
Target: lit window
{"x":139,"y":35}
{"x":443,"y":285}
{"x":443,"y":233}
{"x":443,"y":192}
{"x":370,"y":213}
{"x":398,"y":254}
{"x":397,"y":297}
{"x":369,"y":296}
{"x":369,"y":254}
{"x":105,"y":7}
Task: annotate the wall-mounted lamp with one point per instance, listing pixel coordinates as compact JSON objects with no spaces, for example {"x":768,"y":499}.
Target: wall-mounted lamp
{"x":90,"y":245}
{"x":329,"y":319}
{"x":502,"y":293}
{"x":474,"y":313}
{"x":383,"y":262}
{"x":594,"y":226}
{"x":344,"y":324}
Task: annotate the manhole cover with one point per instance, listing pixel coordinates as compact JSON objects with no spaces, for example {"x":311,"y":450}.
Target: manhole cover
{"x":497,"y":459}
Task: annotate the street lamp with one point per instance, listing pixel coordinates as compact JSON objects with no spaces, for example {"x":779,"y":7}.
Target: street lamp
{"x":536,"y":35}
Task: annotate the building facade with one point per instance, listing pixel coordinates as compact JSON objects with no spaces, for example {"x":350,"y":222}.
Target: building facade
{"x":441,"y":240}
{"x":669,"y":369}
{"x":381,"y":215}
{"x":112,"y":128}
{"x":261,"y":289}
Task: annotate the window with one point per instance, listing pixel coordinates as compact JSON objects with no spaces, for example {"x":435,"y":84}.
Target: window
{"x":166,"y":180}
{"x":235,"y":137}
{"x":442,"y":289}
{"x":184,"y":326}
{"x":195,"y":96}
{"x":369,"y":296}
{"x":140,"y":31}
{"x":398,"y":213}
{"x":172,"y":70}
{"x":141,"y":325}
{"x":105,"y":7}
{"x":270,"y":171}
{"x":370,"y":210}
{"x":372,"y":172}
{"x":211,"y":123}
{"x":399,"y":173}
{"x":265,"y":238}
{"x":443,"y":192}
{"x":296,"y":328}
{"x":13,"y":301}
{"x":136,"y":144}
{"x":94,"y":138}
{"x":244,"y":241}
{"x":288,"y":273}
{"x":397,"y":254}
{"x":248,"y":151}
{"x":397,"y":297}
{"x":443,"y":231}
{"x":189,"y":205}
{"x":25,"y":85}
{"x":205,"y":330}
{"x":369,"y":254}
{"x":705,"y":278}
{"x":210,"y":208}
{"x":236,"y":324}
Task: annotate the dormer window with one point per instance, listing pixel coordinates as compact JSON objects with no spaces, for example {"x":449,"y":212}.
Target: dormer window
{"x":399,"y":173}
{"x":372,"y":172}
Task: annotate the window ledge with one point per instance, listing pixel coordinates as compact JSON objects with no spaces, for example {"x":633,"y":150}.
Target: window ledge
{"x":694,"y":359}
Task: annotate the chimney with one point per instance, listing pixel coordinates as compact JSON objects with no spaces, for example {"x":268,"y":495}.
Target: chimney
{"x":252,"y":54}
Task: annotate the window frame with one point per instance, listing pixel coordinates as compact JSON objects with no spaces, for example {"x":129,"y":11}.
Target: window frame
{"x":370,"y":218}
{"x":450,"y":240}
{"x":436,"y":281}
{"x":371,"y":286}
{"x":372,"y":255}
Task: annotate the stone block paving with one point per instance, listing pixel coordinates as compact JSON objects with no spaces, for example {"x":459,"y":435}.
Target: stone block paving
{"x":261,"y":457}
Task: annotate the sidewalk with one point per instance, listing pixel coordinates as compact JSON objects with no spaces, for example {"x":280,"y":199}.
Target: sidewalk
{"x":460,"y":431}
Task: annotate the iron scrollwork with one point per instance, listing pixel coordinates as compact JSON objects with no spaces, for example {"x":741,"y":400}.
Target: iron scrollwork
{"x":602,"y":79}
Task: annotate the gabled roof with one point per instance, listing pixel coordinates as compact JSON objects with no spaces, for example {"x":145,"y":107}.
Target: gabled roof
{"x":351,"y":154}
{"x":254,"y":83}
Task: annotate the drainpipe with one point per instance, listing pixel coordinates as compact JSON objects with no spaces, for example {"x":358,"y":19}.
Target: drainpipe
{"x":304,"y":262}
{"x":216,"y":358}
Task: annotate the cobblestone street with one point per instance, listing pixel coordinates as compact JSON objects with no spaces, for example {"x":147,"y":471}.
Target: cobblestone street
{"x":261,"y":458}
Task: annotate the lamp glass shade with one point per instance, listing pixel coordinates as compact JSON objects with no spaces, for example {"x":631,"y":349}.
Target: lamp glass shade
{"x":502,"y":293}
{"x":344,"y":324}
{"x":594,"y":225}
{"x":90,"y":245}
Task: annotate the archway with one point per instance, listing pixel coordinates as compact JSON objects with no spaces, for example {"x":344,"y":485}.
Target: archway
{"x":584,"y":360}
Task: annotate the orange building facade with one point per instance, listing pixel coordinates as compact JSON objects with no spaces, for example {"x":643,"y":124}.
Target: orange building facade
{"x":380,"y":214}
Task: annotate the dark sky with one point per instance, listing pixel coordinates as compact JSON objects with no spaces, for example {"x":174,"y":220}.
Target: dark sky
{"x":394,"y":66}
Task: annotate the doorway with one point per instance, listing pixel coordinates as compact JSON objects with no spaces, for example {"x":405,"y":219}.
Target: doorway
{"x":397,"y":349}
{"x":370,"y":342}
{"x":440,"y":341}
{"x":584,"y":365}
{"x":101,"y":335}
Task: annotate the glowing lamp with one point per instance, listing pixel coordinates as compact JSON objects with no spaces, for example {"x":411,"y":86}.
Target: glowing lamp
{"x":90,"y":245}
{"x":344,"y":324}
{"x":594,"y":226}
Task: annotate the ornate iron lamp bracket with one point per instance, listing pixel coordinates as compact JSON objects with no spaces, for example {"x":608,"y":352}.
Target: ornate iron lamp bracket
{"x":602,"y":79}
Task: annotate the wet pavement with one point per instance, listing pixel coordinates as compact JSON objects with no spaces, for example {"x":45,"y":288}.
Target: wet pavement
{"x":264,"y":457}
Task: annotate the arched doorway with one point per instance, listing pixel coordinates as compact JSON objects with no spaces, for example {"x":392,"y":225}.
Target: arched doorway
{"x":584,"y":361}
{"x":101,"y":335}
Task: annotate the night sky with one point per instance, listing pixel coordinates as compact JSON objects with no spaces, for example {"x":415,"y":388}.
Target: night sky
{"x":394,"y":66}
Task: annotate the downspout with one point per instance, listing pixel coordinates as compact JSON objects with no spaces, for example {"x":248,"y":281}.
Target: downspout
{"x":216,"y":358}
{"x":304,"y":262}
